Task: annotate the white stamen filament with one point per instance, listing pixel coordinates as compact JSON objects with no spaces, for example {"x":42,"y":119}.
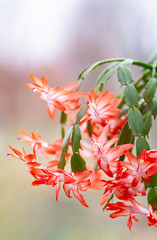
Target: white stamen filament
{"x":92,"y":105}
{"x":97,"y":145}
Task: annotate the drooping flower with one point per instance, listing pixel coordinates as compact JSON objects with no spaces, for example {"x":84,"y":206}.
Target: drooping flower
{"x":100,"y":122}
{"x":29,"y":159}
{"x":76,"y":182}
{"x":53,"y":177}
{"x":123,"y":209}
{"x":43,"y":148}
{"x":63,"y":98}
{"x":81,"y":183}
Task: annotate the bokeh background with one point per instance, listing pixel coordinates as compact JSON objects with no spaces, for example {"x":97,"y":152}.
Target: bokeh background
{"x":58,"y":39}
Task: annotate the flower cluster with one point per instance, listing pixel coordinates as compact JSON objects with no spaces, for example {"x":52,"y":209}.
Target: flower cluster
{"x":93,"y":134}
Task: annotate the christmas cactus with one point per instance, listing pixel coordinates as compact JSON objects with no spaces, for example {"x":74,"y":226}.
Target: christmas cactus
{"x":104,"y":140}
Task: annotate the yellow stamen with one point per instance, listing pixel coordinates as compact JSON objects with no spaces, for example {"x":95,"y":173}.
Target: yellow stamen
{"x":97,"y":145}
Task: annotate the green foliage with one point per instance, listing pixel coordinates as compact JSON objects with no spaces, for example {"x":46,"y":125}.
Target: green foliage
{"x":77,"y":163}
{"x":80,"y":114}
{"x":63,"y":118}
{"x":89,"y":129}
{"x":62,"y":161}
{"x":153,"y":183}
{"x":131,"y":95}
{"x":153,"y":106}
{"x":138,"y":102}
{"x":124,"y":75}
{"x":126,"y":61}
{"x":152,"y":196}
{"x":150,"y":90}
{"x":62,"y":132}
{"x":126,"y":136}
{"x":76,"y":137}
{"x":135,"y":121}
{"x":141,"y":143}
{"x":66,"y":139}
{"x":89,"y":69}
{"x":147,"y":118}
{"x":104,"y":78}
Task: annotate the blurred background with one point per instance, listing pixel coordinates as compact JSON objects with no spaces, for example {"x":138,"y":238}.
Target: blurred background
{"x":58,"y":39}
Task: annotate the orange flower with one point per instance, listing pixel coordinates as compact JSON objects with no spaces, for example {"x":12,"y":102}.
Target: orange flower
{"x":137,"y":167}
{"x":151,"y":156}
{"x":122,"y":188}
{"x":27,"y":158}
{"x":41,"y":146}
{"x":101,"y":107}
{"x":122,"y":209}
{"x":116,"y":125}
{"x":63,"y":98}
{"x":76,"y":182}
{"x":81,"y":183}
{"x":107,"y":157}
